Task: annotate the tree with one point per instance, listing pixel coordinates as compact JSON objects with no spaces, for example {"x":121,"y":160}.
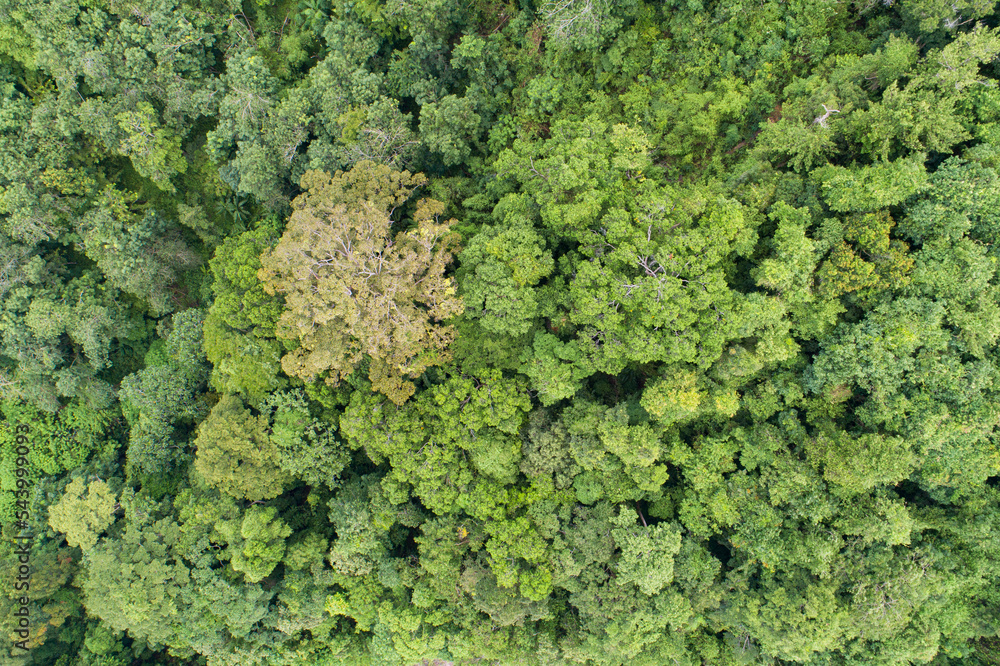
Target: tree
{"x":580,"y":23}
{"x":128,"y":88}
{"x":139,"y":583}
{"x":970,"y":301}
{"x":859,"y":463}
{"x":71,"y":438}
{"x":83,"y":519}
{"x":256,"y":543}
{"x":870,"y":188}
{"x":236,"y":455}
{"x":53,"y":605}
{"x":164,"y":393}
{"x":142,"y":255}
{"x":351,"y":291}
{"x":249,"y":163}
{"x":647,"y":555}
{"x":240,"y":325}
{"x":580,"y":169}
{"x":499,"y":268}
{"x":556,"y":369}
{"x":63,"y":334}
{"x":789,"y":272}
{"x":435,"y":442}
{"x":792,"y":617}
{"x":865,"y":260}
{"x":154,"y":151}
{"x":362,"y":518}
{"x":653,"y":290}
{"x":805,"y":144}
{"x":448,"y":127}
{"x":875,"y":353}
{"x":307,"y":448}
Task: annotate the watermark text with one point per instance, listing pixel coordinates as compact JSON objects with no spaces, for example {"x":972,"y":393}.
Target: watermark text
{"x":22,"y":576}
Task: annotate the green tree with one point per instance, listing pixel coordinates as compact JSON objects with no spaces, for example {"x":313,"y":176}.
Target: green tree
{"x":138,"y":583}
{"x":240,"y":325}
{"x":142,"y":255}
{"x":870,"y":188}
{"x":165,"y":393}
{"x":500,"y":267}
{"x":154,"y":152}
{"x":448,"y":127}
{"x":256,"y":543}
{"x":249,"y":164}
{"x":306,"y":446}
{"x":647,"y":555}
{"x":236,"y":454}
{"x":83,"y":518}
{"x":859,"y":463}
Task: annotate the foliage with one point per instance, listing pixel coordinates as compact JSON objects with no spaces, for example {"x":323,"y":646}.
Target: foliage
{"x":352,"y":291}
{"x":564,"y":332}
{"x":257,"y":542}
{"x":81,"y":518}
{"x":235,"y":453}
{"x":239,"y":327}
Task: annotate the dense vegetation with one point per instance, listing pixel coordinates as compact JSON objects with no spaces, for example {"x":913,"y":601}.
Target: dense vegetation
{"x":559,"y":332}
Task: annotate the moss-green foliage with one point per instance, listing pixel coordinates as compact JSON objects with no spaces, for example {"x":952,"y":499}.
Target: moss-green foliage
{"x":82,"y":518}
{"x":564,"y":332}
{"x":353,"y":290}
{"x":235,"y":453}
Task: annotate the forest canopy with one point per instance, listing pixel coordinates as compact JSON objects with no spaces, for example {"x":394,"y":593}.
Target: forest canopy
{"x":527,"y":332}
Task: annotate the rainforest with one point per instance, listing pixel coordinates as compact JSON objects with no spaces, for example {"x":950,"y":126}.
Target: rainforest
{"x":499,"y":332}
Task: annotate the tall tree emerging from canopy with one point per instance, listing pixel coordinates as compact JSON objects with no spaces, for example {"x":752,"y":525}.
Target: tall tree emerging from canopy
{"x":351,"y":289}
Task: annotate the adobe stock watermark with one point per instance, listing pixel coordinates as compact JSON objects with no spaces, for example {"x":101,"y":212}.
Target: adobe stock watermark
{"x":22,"y":575}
